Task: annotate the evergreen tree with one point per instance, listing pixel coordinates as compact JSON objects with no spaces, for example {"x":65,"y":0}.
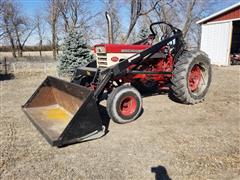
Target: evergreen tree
{"x":74,"y":53}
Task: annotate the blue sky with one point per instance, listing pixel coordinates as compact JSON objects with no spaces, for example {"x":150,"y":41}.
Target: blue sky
{"x":221,"y":4}
{"x":31,"y":6}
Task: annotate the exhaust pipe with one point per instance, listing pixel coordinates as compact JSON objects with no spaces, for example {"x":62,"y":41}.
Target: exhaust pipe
{"x":110,"y":28}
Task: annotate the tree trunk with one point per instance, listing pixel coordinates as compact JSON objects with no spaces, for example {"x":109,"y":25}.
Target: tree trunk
{"x":133,"y":23}
{"x":14,"y":53}
{"x":54,"y":41}
{"x":13,"y":48}
{"x":40,"y":48}
{"x":9,"y":34}
{"x":19,"y":45}
{"x":57,"y":49}
{"x":189,"y":18}
{"x":20,"y":51}
{"x":54,"y":13}
{"x":136,"y":12}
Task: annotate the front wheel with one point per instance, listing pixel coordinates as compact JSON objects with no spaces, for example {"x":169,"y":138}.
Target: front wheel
{"x":124,"y":104}
{"x":192,"y":76}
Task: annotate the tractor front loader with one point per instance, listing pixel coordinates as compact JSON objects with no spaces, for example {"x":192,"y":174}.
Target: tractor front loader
{"x":68,"y":112}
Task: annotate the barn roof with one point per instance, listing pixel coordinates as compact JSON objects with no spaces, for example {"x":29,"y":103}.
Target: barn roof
{"x":218,"y":13}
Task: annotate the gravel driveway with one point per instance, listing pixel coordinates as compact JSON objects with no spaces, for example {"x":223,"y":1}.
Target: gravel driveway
{"x":169,"y":140}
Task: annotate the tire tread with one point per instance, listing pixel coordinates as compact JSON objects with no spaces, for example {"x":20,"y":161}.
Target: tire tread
{"x":179,"y":86}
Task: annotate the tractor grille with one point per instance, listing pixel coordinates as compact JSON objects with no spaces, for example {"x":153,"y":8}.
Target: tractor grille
{"x":102,"y":60}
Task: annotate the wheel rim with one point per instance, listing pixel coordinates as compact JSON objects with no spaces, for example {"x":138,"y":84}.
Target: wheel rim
{"x":128,"y":106}
{"x":195,"y":78}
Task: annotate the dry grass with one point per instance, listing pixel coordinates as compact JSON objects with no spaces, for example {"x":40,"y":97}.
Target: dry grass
{"x":189,"y":142}
{"x":27,"y":53}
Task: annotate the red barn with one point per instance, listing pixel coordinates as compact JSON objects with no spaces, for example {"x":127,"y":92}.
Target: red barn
{"x":221,"y":34}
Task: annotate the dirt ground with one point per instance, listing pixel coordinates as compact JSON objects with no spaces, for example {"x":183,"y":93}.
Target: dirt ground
{"x":169,"y":140}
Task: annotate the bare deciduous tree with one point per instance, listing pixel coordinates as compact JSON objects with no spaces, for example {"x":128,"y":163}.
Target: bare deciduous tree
{"x":70,"y":10}
{"x":183,"y":14}
{"x":2,"y":32}
{"x":76,"y":14}
{"x":17,"y":27}
{"x":165,"y":11}
{"x":64,"y":15}
{"x":194,"y":11}
{"x":40,"y":31}
{"x":7,"y":27}
{"x":23,"y":30}
{"x":53,"y":12}
{"x":189,"y":14}
{"x":136,"y":11}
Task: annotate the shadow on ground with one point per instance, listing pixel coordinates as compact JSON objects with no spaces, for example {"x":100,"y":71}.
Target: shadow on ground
{"x":162,"y":92}
{"x":6,"y":77}
{"x":160,"y":173}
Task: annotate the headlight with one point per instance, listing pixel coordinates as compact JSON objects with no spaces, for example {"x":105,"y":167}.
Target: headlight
{"x":100,"y":49}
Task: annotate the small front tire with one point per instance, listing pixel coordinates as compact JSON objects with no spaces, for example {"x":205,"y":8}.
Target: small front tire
{"x":124,"y":104}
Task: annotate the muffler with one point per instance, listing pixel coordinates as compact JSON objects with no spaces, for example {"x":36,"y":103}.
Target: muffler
{"x":65,"y":113}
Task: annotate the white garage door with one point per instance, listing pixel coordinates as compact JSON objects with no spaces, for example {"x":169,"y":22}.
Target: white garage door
{"x":215,"y":41}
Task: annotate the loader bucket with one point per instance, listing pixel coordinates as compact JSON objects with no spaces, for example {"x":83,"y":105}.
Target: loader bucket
{"x":64,"y":113}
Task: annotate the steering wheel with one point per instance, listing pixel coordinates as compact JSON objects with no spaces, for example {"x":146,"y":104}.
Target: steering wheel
{"x":165,"y":35}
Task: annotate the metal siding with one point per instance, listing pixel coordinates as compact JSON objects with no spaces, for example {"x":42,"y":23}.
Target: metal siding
{"x":233,"y":14}
{"x":215,"y":42}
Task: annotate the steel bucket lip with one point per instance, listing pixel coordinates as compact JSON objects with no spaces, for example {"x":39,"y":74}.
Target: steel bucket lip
{"x":50,"y":81}
{"x":51,"y":78}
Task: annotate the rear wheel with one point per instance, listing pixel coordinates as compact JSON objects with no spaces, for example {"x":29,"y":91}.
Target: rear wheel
{"x":191,"y":77}
{"x":124,"y":104}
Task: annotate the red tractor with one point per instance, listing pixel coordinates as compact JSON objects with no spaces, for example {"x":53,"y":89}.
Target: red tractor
{"x":125,"y":71}
{"x":67,"y":113}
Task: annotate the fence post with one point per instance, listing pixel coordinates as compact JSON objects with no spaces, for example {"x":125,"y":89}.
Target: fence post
{"x":5,"y":66}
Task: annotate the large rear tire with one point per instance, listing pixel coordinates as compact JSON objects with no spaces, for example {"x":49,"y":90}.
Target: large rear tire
{"x":124,"y":104}
{"x":192,"y":76}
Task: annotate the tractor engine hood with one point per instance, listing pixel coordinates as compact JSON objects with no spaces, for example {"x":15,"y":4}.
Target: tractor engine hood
{"x":119,"y":48}
{"x":110,"y":54}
